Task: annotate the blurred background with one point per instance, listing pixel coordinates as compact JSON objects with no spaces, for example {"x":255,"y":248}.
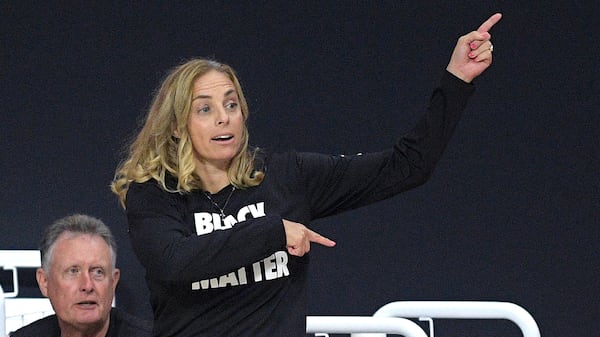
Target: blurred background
{"x":510,"y":214}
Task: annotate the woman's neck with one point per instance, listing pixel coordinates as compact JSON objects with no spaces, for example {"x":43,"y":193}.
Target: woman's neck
{"x":214,"y":187}
{"x":213,"y":179}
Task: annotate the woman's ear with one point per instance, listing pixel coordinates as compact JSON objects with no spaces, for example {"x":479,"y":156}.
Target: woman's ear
{"x":175,"y":133}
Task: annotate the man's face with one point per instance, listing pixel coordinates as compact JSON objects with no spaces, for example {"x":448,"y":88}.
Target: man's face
{"x":80,"y":282}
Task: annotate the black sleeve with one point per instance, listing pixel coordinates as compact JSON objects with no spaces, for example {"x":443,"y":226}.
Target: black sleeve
{"x":170,"y":252}
{"x":338,"y":183}
{"x":123,"y":324}
{"x":46,"y":326}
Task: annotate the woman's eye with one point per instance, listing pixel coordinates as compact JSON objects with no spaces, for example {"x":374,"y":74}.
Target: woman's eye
{"x":203,"y":110}
{"x":231,"y":106}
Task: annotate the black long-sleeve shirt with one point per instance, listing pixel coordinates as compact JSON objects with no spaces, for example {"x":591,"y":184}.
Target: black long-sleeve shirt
{"x":121,"y":324}
{"x":233,"y":277}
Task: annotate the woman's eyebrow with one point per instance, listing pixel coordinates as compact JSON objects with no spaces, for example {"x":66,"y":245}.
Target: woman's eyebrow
{"x":201,"y":96}
{"x":229,"y":92}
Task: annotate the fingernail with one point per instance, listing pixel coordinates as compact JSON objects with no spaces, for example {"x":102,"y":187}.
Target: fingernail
{"x":471,"y":55}
{"x":473,"y":45}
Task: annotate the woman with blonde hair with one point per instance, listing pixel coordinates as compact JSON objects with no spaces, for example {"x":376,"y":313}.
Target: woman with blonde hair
{"x":220,"y":227}
{"x":157,"y":151}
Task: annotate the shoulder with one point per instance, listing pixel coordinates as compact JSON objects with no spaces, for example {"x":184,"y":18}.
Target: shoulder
{"x":148,"y":194}
{"x":150,"y":185}
{"x":264,"y":160}
{"x":285,"y":163}
{"x":123,"y":324}
{"x":47,"y":326}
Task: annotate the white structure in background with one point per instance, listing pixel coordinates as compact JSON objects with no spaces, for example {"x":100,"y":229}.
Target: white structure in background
{"x":321,"y":326}
{"x":429,"y":310}
{"x":18,"y":311}
{"x":2,"y":314}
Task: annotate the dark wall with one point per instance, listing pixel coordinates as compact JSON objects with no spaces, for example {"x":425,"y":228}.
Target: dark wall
{"x":511,"y":213}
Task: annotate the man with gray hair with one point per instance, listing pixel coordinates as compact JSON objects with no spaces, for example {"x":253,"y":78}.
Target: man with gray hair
{"x":79,"y":276}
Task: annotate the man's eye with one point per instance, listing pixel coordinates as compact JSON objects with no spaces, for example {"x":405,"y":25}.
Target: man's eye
{"x":98,"y":273}
{"x":72,"y":272}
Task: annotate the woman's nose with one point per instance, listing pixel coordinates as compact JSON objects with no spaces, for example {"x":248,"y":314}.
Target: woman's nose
{"x":222,"y":116}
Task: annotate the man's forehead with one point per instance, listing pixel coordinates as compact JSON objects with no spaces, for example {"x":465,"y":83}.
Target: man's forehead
{"x":71,"y":241}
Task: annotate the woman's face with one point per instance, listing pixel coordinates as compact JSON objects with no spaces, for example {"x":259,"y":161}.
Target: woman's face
{"x":215,"y":122}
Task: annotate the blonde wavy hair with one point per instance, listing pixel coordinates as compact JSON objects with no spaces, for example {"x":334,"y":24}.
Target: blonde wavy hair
{"x":156,"y":153}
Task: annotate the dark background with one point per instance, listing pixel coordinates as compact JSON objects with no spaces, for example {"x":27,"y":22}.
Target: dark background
{"x":510,"y":214}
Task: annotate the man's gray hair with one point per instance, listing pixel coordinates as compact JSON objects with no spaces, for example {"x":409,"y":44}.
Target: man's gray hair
{"x":76,"y":224}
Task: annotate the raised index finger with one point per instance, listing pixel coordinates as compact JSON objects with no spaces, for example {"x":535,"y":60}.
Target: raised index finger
{"x":489,"y":23}
{"x":320,"y":239}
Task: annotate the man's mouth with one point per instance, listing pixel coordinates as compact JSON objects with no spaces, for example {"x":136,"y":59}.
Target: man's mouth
{"x":87,"y":303}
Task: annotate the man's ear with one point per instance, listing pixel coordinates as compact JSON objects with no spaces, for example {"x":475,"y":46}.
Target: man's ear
{"x":116,"y":276}
{"x":42,"y":281}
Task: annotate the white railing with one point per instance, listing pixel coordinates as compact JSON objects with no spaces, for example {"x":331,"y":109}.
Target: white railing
{"x":2,"y":312}
{"x":427,"y":310}
{"x":322,"y":325}
{"x":16,"y":310}
{"x":11,"y":259}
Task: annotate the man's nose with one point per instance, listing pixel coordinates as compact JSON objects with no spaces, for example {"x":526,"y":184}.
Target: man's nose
{"x":86,"y":284}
